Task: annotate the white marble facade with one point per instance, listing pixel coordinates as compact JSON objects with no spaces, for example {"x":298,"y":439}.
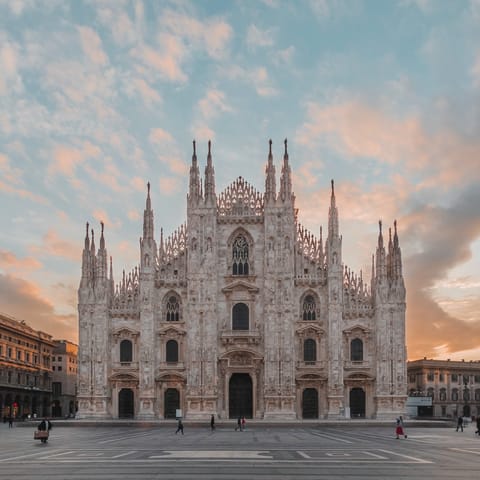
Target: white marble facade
{"x":242,"y":311}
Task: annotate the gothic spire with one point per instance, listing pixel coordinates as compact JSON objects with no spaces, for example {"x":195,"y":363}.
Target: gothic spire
{"x":102,"y":239}
{"x":333,"y":216}
{"x":87,"y":240}
{"x":270,"y":181}
{"x":397,"y":253}
{"x":209,"y":176}
{"x":194,"y":187}
{"x":285,"y":179}
{"x":148,"y":217}
{"x":380,"y":254}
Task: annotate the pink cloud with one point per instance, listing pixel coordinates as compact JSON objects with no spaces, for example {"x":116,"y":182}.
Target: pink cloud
{"x":159,"y":136}
{"x":213,"y":103}
{"x":65,"y":161}
{"x":92,"y":46}
{"x":54,"y":245}
{"x":10,"y":262}
{"x":148,"y":94}
{"x":169,"y":185}
{"x":24,"y":301}
{"x":138,"y":183}
{"x":355,"y":129}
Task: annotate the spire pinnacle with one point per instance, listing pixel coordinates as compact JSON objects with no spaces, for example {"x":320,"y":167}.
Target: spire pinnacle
{"x":285,"y":155}
{"x":93,"y":243}
{"x":194,"y":151}
{"x":102,"y":239}
{"x":87,"y":240}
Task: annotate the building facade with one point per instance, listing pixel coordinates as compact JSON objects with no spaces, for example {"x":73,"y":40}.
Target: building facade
{"x":25,"y":369}
{"x":64,"y":378}
{"x":453,"y":386}
{"x":242,"y":311}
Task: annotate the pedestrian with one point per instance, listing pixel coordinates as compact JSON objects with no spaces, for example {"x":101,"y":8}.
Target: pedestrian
{"x":478,"y":425}
{"x":243,"y":423}
{"x":212,"y":423}
{"x":45,"y":426}
{"x":179,"y":426}
{"x":239,"y":424}
{"x":399,"y":430}
{"x":10,"y":421}
{"x":459,"y":423}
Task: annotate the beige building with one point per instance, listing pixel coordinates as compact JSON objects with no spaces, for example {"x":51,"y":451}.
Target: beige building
{"x":453,"y":386}
{"x":242,"y":311}
{"x":64,"y":378}
{"x":25,"y":369}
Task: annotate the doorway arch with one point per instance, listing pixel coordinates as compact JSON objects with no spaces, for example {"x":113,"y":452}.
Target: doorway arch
{"x":125,"y":403}
{"x":171,"y":402}
{"x":240,"y":395}
{"x":357,"y":402}
{"x":310,"y":403}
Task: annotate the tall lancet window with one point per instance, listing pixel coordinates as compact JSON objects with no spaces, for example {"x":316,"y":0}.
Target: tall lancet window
{"x":173,"y":309}
{"x":309,"y":308}
{"x":240,"y":256}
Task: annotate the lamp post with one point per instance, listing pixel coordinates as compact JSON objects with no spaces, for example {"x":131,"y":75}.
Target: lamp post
{"x":466,"y":396}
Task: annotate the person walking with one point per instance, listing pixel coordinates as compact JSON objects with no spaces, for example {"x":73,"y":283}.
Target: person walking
{"x":243,"y":424}
{"x":179,"y":426}
{"x":10,"y":421}
{"x":459,"y":423}
{"x":478,"y":425}
{"x":399,"y":430}
{"x":239,"y":424}
{"x":212,"y":423}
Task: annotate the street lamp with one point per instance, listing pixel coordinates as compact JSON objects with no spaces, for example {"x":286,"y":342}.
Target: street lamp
{"x":466,"y":396}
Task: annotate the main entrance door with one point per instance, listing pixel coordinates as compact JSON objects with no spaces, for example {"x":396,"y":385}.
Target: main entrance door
{"x":310,"y":403}
{"x":240,"y":396}
{"x":357,"y":403}
{"x":125,"y":403}
{"x":172,"y":402}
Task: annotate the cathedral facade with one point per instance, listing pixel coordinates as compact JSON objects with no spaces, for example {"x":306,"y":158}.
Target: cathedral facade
{"x":242,"y":312}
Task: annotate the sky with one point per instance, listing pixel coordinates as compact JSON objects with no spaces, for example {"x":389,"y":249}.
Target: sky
{"x":97,"y":98}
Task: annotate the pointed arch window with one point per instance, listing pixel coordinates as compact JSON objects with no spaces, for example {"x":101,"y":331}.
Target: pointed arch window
{"x":309,"y":308}
{"x":126,"y":351}
{"x":172,"y":351}
{"x":173,"y":309}
{"x":240,"y":317}
{"x":356,"y":350}
{"x":309,"y":350}
{"x":240,"y":265}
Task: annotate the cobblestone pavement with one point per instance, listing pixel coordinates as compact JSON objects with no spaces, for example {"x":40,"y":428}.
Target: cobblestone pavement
{"x":260,"y":452}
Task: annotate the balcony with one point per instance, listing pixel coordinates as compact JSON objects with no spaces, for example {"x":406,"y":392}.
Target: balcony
{"x":249,"y":337}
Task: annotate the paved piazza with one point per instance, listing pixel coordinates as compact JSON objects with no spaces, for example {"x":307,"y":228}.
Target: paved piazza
{"x":260,"y":452}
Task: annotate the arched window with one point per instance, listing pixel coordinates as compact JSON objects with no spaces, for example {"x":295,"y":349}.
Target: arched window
{"x":454,"y":395}
{"x":240,"y":256}
{"x":356,"y":350}
{"x":431,"y":393}
{"x":173,"y":309}
{"x":309,"y":308}
{"x":240,"y":317}
{"x":309,"y":350}
{"x":443,"y":394}
{"x":172,"y":351}
{"x":126,"y":351}
{"x":477,"y":396}
{"x":466,"y":395}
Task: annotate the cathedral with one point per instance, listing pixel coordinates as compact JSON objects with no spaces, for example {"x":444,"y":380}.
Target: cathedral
{"x":242,"y":311}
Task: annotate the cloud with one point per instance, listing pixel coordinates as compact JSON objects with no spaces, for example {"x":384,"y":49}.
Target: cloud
{"x":114,"y":17}
{"x":257,"y":77}
{"x":159,"y":136}
{"x":149,"y":95}
{"x":134,"y":214}
{"x":439,"y":238}
{"x":213,"y":103}
{"x":202,"y":132}
{"x":65,"y":161}
{"x":284,"y":57}
{"x":92,"y":46}
{"x":475,"y":71}
{"x":169,"y":185}
{"x":10,"y":79}
{"x":355,"y":129}
{"x":259,"y":38}
{"x":138,"y":183}
{"x":53,"y":245}
{"x":23,"y":300}
{"x":9,"y":262}
{"x":424,"y":6}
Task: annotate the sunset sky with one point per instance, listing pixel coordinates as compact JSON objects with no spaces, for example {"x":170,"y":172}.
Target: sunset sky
{"x":97,"y":98}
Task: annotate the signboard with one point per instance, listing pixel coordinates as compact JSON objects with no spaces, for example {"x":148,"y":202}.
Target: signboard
{"x":419,"y":401}
{"x":178,"y":413}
